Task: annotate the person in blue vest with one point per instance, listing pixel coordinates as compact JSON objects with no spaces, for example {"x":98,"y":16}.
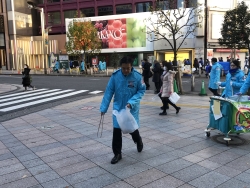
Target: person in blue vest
{"x":82,"y":66}
{"x":214,"y":77}
{"x":100,"y":66}
{"x":104,"y":65}
{"x":244,"y":88}
{"x":234,"y":80}
{"x":57,"y":66}
{"x":127,"y":87}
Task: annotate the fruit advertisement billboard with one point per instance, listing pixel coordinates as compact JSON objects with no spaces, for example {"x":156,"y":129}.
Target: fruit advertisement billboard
{"x":121,"y":33}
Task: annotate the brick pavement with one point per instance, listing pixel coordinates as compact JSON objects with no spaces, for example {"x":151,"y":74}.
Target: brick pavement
{"x":59,"y":147}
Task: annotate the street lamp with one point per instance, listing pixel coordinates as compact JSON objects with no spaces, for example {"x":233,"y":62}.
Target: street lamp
{"x":31,"y":5}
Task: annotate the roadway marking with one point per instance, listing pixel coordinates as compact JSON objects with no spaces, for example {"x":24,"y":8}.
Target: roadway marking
{"x":29,"y":95}
{"x":184,"y":105}
{"x":23,"y":93}
{"x":37,"y":97}
{"x":41,"y":101}
{"x":95,"y":92}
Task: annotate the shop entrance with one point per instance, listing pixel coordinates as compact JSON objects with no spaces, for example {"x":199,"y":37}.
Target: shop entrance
{"x":3,"y":60}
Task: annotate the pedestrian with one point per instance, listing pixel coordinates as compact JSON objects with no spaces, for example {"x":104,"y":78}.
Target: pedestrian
{"x":71,"y":64}
{"x":164,"y":71}
{"x":82,"y":66}
{"x":208,"y":68}
{"x":26,"y":78}
{"x":167,"y":88}
{"x":214,"y":77}
{"x":196,"y":65}
{"x":142,"y":63}
{"x":244,"y":88}
{"x":234,"y":80}
{"x":57,"y":66}
{"x":146,"y":73}
{"x":157,"y":70}
{"x":127,"y":88}
{"x":201,"y":64}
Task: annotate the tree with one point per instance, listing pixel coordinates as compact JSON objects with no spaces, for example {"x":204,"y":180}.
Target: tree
{"x":82,"y":39}
{"x":235,"y":29}
{"x":115,"y":59}
{"x":173,"y":25}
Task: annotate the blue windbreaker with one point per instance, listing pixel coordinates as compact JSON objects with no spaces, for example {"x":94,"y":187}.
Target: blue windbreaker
{"x":233,"y":83}
{"x":246,"y":85}
{"x":57,"y":65}
{"x":126,"y":89}
{"x":82,"y":66}
{"x":214,"y":75}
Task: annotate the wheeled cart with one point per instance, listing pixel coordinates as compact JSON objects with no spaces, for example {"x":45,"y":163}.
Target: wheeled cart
{"x":235,"y":117}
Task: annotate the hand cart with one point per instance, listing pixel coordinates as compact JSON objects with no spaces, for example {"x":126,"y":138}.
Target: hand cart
{"x":235,"y":117}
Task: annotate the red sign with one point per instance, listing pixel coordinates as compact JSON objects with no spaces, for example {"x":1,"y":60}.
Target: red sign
{"x":225,"y":50}
{"x":94,"y":61}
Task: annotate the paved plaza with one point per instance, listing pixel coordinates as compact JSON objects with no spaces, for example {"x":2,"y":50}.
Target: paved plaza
{"x":59,"y":147}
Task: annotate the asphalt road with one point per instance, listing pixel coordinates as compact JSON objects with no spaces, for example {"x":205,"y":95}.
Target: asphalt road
{"x":75,"y":83}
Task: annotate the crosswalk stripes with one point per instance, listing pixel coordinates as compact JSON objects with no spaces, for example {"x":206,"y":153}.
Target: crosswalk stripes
{"x":25,"y":99}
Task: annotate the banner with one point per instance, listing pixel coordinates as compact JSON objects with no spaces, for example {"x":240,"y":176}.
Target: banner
{"x":94,"y":61}
{"x":121,"y":33}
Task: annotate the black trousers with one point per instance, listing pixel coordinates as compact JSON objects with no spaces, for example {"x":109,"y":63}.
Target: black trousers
{"x":117,"y":140}
{"x":158,"y":86}
{"x":146,"y":81}
{"x":166,"y":101}
{"x":214,"y":91}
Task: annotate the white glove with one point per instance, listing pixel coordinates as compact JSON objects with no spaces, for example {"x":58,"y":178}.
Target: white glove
{"x":218,"y":83}
{"x":231,"y":83}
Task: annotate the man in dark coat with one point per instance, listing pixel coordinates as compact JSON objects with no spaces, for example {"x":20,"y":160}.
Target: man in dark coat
{"x":157,"y":75}
{"x":146,"y":73}
{"x":26,"y":78}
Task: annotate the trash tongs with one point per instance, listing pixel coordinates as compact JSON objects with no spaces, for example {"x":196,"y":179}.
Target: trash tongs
{"x":100,"y":125}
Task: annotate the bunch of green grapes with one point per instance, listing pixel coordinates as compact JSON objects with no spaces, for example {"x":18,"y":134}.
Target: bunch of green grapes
{"x":136,"y":33}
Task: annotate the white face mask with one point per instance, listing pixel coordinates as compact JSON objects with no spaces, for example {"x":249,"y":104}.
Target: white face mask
{"x":164,"y":68}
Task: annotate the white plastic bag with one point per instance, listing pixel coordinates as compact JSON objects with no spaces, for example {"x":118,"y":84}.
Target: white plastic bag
{"x":174,"y":97}
{"x":126,"y":120}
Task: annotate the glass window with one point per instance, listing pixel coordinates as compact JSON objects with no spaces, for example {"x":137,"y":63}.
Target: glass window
{"x":40,"y":2}
{"x":103,"y":11}
{"x":124,"y":9}
{"x":70,"y":14}
{"x":54,"y":18}
{"x":165,"y":4}
{"x":88,"y":12}
{"x":142,"y":7}
{"x":53,"y":1}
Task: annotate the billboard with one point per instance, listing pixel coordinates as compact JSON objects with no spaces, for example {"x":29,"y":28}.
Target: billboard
{"x":120,"y":33}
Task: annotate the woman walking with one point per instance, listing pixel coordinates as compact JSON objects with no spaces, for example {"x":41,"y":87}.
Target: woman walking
{"x":26,"y":78}
{"x":167,"y":88}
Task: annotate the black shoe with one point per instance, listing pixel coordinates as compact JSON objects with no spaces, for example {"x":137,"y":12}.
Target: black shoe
{"x":178,"y":109}
{"x":139,"y":146}
{"x":163,"y":113}
{"x":116,"y":158}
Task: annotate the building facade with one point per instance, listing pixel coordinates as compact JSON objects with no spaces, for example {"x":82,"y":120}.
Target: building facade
{"x":21,"y":41}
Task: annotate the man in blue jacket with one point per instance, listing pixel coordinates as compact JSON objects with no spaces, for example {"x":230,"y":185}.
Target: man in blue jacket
{"x":214,"y":77}
{"x":234,"y":80}
{"x":127,"y":87}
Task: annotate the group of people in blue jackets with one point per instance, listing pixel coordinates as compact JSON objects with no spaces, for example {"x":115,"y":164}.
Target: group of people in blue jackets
{"x":235,"y":84}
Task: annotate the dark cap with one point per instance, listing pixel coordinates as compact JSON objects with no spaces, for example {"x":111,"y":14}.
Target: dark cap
{"x":236,"y":63}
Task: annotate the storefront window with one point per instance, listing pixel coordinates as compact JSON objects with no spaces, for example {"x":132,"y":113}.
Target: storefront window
{"x":103,"y":11}
{"x":88,"y":12}
{"x":163,"y":4}
{"x":53,"y":1}
{"x":54,"y":18}
{"x":143,"y":7}
{"x":40,"y":2}
{"x":70,"y":13}
{"x":124,"y":9}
